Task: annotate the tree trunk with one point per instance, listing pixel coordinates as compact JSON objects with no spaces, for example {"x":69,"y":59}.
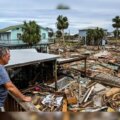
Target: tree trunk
{"x":117,"y":35}
{"x":98,"y":44}
{"x":63,"y":37}
{"x":107,"y":79}
{"x":30,"y":45}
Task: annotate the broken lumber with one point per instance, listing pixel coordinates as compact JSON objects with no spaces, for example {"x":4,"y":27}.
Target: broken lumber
{"x":91,"y":89}
{"x":107,"y":79}
{"x":72,"y":100}
{"x":112,"y":92}
{"x":64,"y":108}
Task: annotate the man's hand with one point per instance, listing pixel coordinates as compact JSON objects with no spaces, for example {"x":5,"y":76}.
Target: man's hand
{"x":27,"y":99}
{"x":12,"y":88}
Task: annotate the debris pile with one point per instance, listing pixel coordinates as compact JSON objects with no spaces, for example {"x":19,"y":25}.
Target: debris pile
{"x":90,"y":93}
{"x":89,"y":81}
{"x":45,"y":99}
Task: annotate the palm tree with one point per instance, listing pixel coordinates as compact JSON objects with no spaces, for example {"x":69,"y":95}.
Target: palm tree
{"x":31,"y":33}
{"x":115,"y":32}
{"x":90,"y":36}
{"x":58,"y":36}
{"x":99,"y":35}
{"x":50,"y":33}
{"x":95,"y":36}
{"x":62,"y":23}
{"x":116,"y":24}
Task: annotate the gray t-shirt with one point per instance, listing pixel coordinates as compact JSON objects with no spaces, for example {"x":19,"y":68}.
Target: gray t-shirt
{"x":4,"y":78}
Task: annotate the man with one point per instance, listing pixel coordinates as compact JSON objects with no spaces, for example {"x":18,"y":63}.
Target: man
{"x":5,"y":83}
{"x":103,"y":44}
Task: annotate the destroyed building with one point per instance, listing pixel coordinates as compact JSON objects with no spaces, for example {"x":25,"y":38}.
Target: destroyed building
{"x":81,"y":80}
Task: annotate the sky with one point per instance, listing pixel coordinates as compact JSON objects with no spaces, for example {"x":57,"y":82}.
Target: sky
{"x":82,"y":13}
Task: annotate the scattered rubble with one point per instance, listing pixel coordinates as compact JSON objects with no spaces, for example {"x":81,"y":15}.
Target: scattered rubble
{"x":102,"y":74}
{"x":89,"y":82}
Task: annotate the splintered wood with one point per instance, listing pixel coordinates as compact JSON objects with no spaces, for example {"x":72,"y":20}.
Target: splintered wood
{"x":107,"y":79}
{"x":92,"y":82}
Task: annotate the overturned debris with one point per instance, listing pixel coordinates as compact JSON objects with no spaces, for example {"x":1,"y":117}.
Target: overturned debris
{"x":107,"y":79}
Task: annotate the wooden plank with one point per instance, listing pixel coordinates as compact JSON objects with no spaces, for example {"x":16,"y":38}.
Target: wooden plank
{"x":71,"y":60}
{"x":64,"y":108}
{"x":72,"y":100}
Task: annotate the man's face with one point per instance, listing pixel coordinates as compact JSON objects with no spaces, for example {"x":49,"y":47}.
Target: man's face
{"x":6,"y":58}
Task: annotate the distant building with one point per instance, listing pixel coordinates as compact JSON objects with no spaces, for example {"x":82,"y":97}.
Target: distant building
{"x":10,"y":37}
{"x":110,"y":35}
{"x":83,"y":32}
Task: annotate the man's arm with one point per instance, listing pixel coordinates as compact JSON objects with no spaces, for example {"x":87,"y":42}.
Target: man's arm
{"x":12,"y":88}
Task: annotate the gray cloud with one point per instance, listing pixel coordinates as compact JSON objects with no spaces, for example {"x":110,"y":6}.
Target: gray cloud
{"x":84,"y":13}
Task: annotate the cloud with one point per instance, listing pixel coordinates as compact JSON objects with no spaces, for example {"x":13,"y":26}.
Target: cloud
{"x":84,"y":13}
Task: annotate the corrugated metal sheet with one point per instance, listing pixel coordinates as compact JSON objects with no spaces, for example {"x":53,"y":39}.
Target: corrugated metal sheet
{"x":27,"y":56}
